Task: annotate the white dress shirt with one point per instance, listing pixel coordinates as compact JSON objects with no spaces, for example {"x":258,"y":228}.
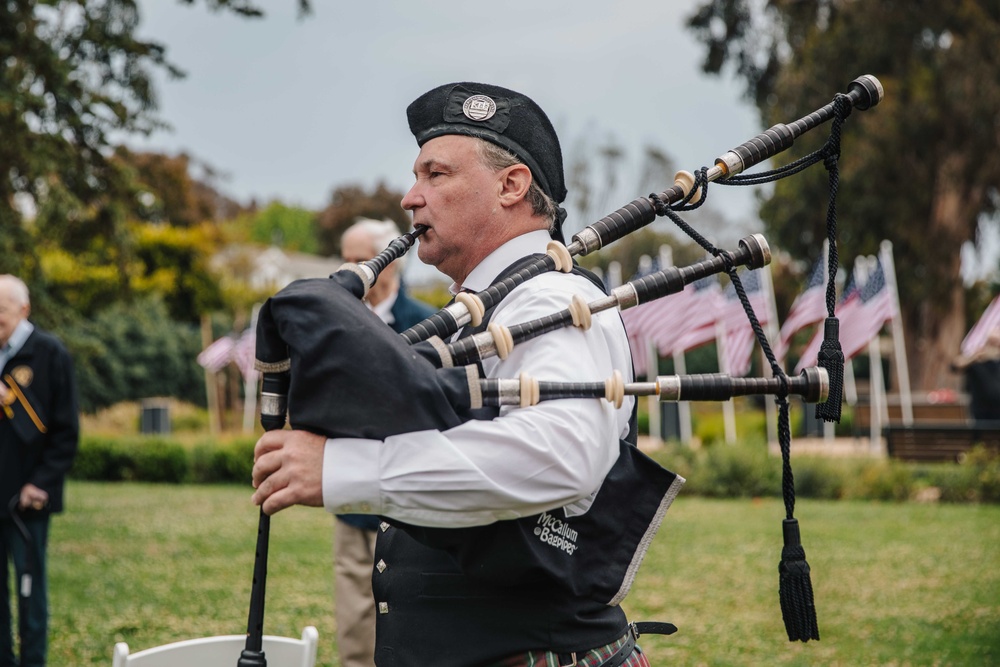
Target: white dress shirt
{"x":17,"y":339}
{"x":527,"y":460}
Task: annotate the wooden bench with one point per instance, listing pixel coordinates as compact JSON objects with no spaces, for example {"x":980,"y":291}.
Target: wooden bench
{"x":945,"y":441}
{"x":923,"y":412}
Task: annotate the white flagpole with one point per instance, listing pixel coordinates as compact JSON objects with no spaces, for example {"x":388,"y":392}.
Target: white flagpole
{"x":771,"y":330}
{"x":879,"y":411}
{"x":250,"y":387}
{"x":896,"y":327}
{"x":683,"y":407}
{"x":652,"y":404}
{"x":728,"y":408}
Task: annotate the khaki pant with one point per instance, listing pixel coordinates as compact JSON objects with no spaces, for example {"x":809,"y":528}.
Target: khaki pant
{"x":353,"y":560}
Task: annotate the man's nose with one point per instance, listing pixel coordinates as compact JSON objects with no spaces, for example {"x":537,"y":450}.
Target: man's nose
{"x":412,"y":199}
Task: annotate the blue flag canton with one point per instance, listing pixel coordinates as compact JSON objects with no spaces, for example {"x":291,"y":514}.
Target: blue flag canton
{"x":874,"y":284}
{"x":751,"y":284}
{"x":818,"y":276}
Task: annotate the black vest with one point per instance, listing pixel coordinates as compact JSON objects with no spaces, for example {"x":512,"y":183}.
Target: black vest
{"x":472,"y":596}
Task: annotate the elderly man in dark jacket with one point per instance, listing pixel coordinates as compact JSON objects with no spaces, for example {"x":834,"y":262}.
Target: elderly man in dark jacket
{"x":39,"y":434}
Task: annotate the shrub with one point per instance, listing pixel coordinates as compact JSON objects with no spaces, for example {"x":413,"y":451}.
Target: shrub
{"x":230,"y":462}
{"x":157,"y":460}
{"x":99,"y":459}
{"x":883,"y":480}
{"x":742,"y":470}
{"x":148,"y":459}
{"x":819,"y":478}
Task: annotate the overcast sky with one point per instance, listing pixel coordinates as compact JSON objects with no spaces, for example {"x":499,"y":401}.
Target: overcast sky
{"x":289,"y":109}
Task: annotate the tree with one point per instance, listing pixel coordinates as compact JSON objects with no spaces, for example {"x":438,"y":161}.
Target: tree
{"x":289,"y":227}
{"x":350,"y":202}
{"x":166,"y":191}
{"x":913,"y":170}
{"x":73,"y":75}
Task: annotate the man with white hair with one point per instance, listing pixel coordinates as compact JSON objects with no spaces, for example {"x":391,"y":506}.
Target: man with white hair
{"x":354,"y":534}
{"x":39,"y":434}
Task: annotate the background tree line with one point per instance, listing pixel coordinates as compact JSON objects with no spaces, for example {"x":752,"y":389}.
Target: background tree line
{"x":117,"y":245}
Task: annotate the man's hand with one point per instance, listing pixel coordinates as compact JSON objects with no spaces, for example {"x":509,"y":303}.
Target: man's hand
{"x":288,"y":470}
{"x":33,"y":498}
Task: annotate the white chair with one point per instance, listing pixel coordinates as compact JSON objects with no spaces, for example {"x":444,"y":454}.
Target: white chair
{"x":222,"y":651}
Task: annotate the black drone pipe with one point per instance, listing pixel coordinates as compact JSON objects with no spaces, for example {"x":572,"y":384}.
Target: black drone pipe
{"x":812,"y":384}
{"x":753,"y":252}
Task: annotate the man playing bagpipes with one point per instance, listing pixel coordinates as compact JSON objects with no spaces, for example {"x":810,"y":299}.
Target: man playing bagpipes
{"x":509,"y":536}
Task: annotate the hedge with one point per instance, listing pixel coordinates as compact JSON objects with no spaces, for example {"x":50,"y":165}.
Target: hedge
{"x":719,"y":470}
{"x":158,"y":459}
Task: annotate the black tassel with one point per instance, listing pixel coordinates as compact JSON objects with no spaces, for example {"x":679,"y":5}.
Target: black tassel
{"x":798,"y":609}
{"x":831,"y":357}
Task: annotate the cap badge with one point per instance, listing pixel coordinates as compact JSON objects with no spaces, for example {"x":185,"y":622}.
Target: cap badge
{"x":479,"y":107}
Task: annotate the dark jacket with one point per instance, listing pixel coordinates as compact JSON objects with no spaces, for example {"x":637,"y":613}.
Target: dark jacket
{"x":39,"y":442}
{"x":407,"y":311}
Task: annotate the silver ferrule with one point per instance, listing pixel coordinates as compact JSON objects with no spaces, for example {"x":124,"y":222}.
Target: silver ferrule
{"x":485,"y":345}
{"x":459,"y":313}
{"x":817,"y":375}
{"x":763,"y":250}
{"x":273,"y":405}
{"x":669,"y":387}
{"x":588,"y":239}
{"x":625,"y":295}
{"x":733,"y":164}
{"x":509,"y":391}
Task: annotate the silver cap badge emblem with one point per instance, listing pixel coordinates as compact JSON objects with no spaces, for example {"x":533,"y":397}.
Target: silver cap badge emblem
{"x":479,"y":107}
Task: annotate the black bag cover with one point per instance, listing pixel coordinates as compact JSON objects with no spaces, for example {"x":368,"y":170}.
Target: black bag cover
{"x":352,"y":375}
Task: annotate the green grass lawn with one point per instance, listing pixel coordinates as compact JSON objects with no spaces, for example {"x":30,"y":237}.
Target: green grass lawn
{"x":895,"y":584}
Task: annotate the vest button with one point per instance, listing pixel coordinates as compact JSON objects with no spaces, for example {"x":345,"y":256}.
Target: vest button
{"x":380,"y":566}
{"x":384,"y":526}
{"x":383,"y":607}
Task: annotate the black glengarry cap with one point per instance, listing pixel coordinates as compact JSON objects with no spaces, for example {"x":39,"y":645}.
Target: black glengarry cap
{"x":498,"y":115}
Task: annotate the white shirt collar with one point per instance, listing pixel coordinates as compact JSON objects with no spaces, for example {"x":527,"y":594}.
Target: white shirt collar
{"x":384,"y":308}
{"x":16,"y":341}
{"x":487,"y":271}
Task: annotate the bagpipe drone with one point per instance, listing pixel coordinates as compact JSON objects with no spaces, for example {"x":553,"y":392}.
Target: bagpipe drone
{"x":313,"y":335}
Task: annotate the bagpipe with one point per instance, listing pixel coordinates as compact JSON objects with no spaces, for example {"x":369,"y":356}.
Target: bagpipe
{"x":313,"y":334}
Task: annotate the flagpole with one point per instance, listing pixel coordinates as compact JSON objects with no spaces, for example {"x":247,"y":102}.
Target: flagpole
{"x":250,"y":383}
{"x":771,"y":329}
{"x":728,"y":408}
{"x":879,"y":412}
{"x":652,"y":402}
{"x":214,"y":419}
{"x":683,"y":407}
{"x":896,"y":327}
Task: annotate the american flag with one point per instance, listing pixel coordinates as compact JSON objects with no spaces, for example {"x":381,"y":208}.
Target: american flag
{"x":703,"y":303}
{"x":638,"y":317}
{"x":875,"y":307}
{"x":847,"y":301}
{"x":216,"y":356}
{"x":737,"y":347}
{"x":244,"y":353}
{"x":862,"y":311}
{"x":977,"y":336}
{"x":673,"y":323}
{"x":809,"y":307}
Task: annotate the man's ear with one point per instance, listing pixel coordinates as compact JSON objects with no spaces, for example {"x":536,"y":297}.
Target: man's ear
{"x":514,"y":183}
